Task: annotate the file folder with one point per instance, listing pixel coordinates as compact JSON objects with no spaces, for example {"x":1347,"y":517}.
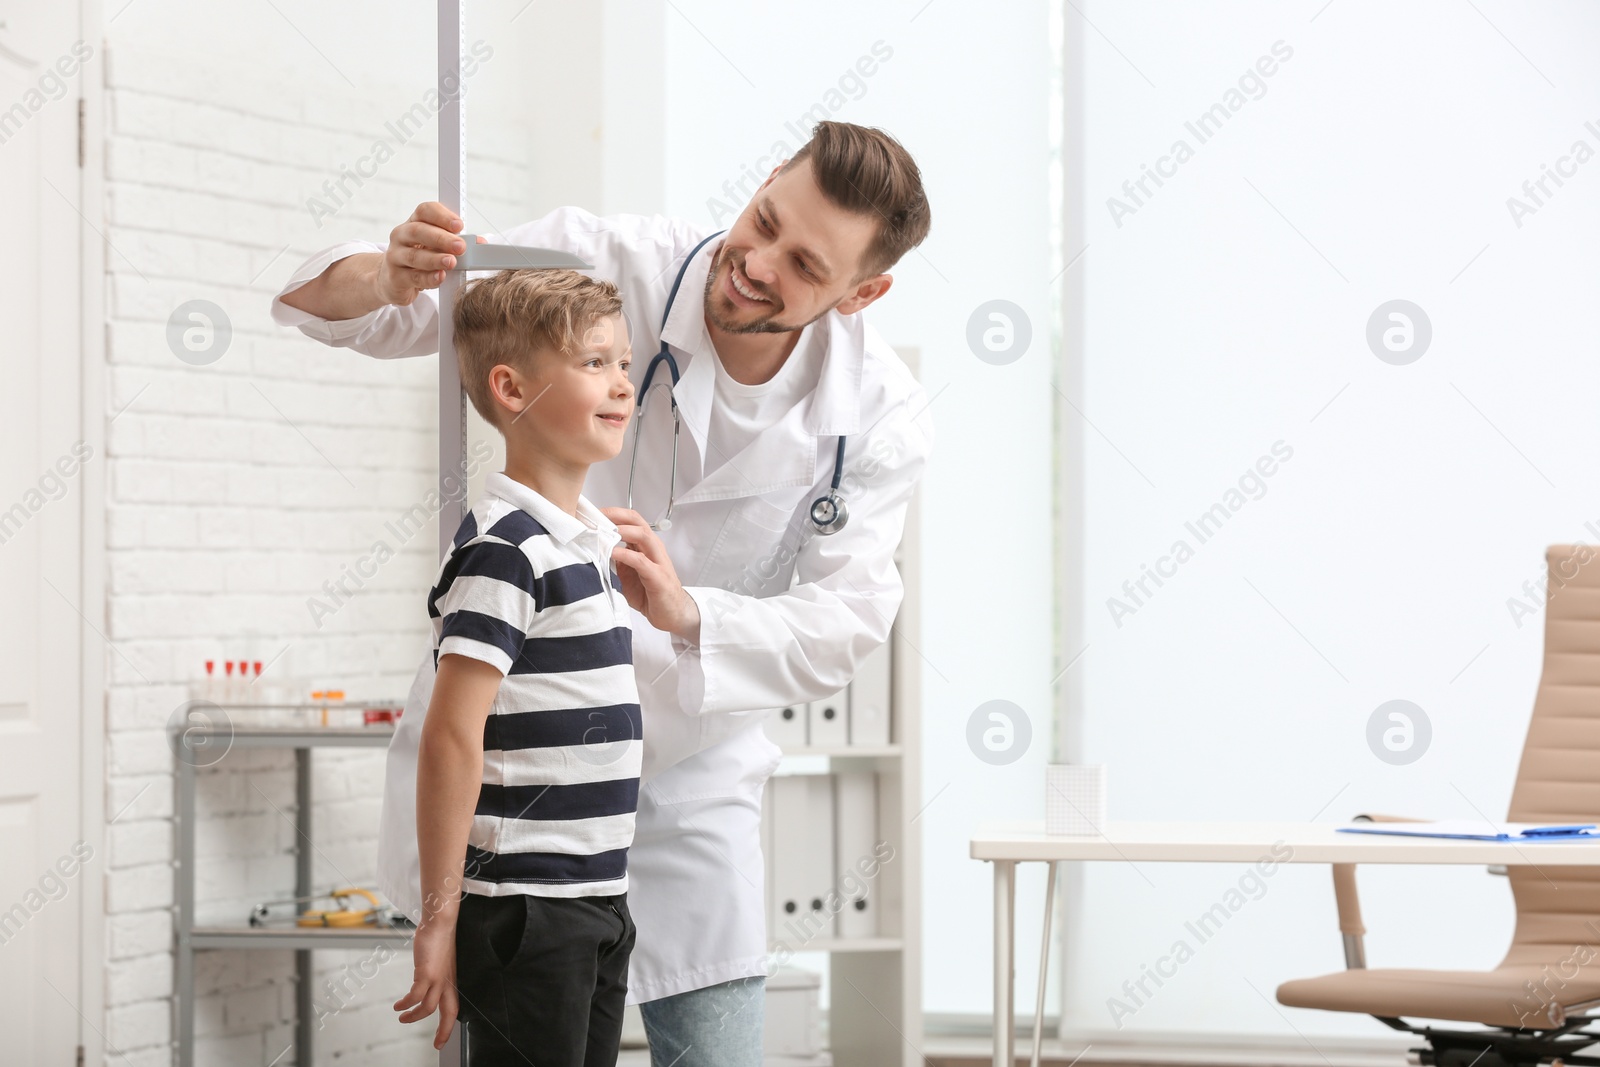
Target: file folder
{"x":817,"y":861}
{"x":1476,"y":830}
{"x":787,"y":797}
{"x":828,"y":725}
{"x":856,"y":834}
{"x":869,"y":699}
{"x":802,"y":858}
{"x":786,"y":727}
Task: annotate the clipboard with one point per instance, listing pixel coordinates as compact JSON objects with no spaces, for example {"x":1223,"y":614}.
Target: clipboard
{"x":1477,"y":830}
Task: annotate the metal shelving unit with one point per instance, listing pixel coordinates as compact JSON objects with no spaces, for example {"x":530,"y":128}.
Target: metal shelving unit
{"x":303,"y":941}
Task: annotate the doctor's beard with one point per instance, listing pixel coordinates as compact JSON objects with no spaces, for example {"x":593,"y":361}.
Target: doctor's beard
{"x":714,"y":300}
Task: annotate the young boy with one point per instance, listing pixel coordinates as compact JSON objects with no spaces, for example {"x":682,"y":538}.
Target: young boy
{"x":528,"y":769}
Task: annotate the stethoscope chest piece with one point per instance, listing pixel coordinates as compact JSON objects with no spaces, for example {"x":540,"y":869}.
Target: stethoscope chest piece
{"x":829,"y":513}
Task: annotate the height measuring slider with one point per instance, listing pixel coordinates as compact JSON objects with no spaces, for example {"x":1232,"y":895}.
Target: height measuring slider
{"x":452,"y":41}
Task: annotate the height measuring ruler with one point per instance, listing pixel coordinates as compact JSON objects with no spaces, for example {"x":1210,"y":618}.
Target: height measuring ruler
{"x":452,"y":401}
{"x":453,"y":195}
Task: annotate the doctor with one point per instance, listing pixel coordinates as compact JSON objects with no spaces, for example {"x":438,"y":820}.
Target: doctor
{"x":767,"y":585}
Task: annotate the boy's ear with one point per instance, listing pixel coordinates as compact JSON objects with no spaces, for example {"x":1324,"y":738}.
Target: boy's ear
{"x":511,"y":390}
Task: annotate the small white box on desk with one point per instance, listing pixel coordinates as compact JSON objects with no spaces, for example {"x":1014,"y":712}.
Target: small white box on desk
{"x":829,"y":721}
{"x":869,"y":699}
{"x":1075,"y":798}
{"x":786,"y":727}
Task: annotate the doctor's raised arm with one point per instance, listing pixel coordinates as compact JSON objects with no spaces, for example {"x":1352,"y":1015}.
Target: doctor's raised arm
{"x":420,"y":250}
{"x":381,"y":300}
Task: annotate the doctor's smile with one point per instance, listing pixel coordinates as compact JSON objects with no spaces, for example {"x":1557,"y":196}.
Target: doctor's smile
{"x":741,"y":287}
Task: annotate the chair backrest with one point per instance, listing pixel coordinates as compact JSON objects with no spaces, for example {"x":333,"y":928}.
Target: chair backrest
{"x":1558,"y":779}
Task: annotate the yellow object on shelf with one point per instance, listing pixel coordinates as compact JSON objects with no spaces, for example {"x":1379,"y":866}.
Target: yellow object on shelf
{"x":343,"y":915}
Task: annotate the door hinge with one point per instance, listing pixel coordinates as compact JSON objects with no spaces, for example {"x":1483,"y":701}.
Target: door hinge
{"x":81,"y":149}
{"x":80,"y":1056}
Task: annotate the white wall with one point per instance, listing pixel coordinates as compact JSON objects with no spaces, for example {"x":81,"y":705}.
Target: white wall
{"x":1228,"y":313}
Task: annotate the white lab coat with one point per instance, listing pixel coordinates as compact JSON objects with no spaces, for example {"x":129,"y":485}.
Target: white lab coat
{"x":786,"y":616}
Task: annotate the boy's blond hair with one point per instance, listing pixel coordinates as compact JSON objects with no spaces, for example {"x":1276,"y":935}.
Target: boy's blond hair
{"x":509,"y":316}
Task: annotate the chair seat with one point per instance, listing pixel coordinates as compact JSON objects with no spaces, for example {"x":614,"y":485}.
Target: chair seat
{"x":1532,"y":996}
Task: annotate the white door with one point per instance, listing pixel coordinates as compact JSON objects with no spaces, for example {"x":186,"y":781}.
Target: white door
{"x":43,"y":863}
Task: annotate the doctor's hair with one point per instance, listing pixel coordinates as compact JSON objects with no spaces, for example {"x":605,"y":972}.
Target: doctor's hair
{"x":509,"y":317}
{"x":866,"y":171}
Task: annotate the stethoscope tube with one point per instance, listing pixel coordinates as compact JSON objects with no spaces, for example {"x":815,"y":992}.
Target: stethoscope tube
{"x":828,"y":513}
{"x":663,"y":356}
{"x":665,"y":522}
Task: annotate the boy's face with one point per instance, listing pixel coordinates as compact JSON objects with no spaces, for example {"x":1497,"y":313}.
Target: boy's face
{"x":573,"y":408}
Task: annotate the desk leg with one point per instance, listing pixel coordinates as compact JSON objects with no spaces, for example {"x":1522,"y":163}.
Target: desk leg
{"x":1044,"y":964}
{"x":1005,"y":971}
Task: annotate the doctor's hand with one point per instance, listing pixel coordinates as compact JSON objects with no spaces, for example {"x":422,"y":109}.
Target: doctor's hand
{"x":648,"y":579}
{"x":420,"y":250}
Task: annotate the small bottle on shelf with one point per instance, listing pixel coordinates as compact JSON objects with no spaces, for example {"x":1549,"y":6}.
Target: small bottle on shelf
{"x":204,"y":688}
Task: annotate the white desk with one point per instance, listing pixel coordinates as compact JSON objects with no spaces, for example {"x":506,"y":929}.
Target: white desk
{"x":1008,"y":844}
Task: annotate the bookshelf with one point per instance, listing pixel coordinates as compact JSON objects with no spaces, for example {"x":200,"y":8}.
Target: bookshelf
{"x":874,"y":1017}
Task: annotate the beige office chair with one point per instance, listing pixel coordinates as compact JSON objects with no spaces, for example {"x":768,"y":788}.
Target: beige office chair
{"x":1535,"y":1002}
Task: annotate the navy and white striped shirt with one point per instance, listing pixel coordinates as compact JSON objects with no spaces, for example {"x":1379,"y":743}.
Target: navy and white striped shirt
{"x":532,"y":591}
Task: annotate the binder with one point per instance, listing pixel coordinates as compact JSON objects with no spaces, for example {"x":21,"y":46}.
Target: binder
{"x":788,"y":797}
{"x":817,"y":858}
{"x":828,"y":721}
{"x":786,"y":727}
{"x":856,"y":822}
{"x":869,"y":699}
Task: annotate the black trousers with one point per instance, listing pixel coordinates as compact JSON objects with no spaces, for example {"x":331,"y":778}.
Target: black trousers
{"x":542,"y":979}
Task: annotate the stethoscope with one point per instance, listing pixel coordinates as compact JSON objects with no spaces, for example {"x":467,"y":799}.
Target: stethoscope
{"x":828,"y":512}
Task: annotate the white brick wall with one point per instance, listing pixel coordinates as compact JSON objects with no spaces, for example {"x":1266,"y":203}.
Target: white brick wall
{"x":236,"y":489}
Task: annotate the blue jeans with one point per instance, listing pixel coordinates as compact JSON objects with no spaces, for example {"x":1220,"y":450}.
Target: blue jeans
{"x":718,"y":1026}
